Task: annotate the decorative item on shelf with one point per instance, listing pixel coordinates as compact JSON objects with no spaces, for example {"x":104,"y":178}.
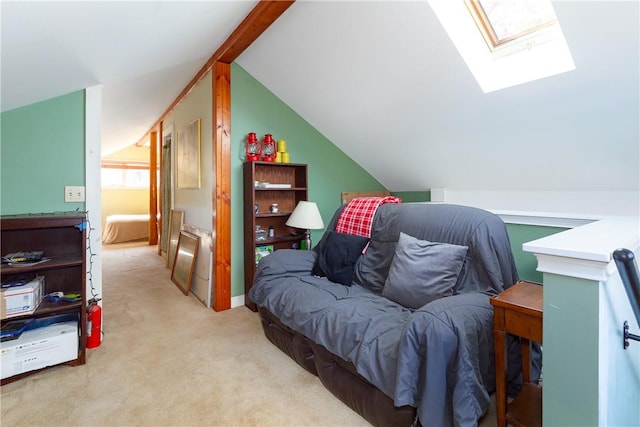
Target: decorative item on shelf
{"x":261,"y":234}
{"x":272,"y":231}
{"x":282,"y":156}
{"x":307,"y":217}
{"x":274,"y":208}
{"x":268,"y":150}
{"x":252,"y":147}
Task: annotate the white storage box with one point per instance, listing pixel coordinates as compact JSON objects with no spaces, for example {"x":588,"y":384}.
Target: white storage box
{"x":39,"y":348}
{"x":20,"y":300}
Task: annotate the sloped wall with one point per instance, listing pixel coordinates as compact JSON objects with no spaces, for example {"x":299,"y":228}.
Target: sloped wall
{"x":255,"y":109}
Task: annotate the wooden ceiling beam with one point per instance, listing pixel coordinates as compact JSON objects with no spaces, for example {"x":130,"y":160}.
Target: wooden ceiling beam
{"x":265,"y":13}
{"x":257,"y":21}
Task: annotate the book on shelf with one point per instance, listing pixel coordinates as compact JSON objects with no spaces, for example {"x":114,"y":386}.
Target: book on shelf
{"x":262,"y":251}
{"x":272,"y":186}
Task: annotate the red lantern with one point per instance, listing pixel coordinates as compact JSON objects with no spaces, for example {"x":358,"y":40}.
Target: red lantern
{"x":252,"y":148}
{"x":268,"y":148}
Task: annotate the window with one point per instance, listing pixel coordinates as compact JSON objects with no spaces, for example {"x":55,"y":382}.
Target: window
{"x":505,"y":42}
{"x":125,"y":175}
{"x":501,"y":21}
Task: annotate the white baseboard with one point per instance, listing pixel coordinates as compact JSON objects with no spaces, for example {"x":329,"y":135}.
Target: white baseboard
{"x":237,"y":301}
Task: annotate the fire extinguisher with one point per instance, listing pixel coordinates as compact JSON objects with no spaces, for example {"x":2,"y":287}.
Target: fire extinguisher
{"x":94,"y":323}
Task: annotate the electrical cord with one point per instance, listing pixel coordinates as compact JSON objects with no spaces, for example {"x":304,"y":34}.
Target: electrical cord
{"x":86,"y":225}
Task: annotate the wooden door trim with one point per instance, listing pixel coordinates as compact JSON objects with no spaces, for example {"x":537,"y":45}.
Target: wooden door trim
{"x":153,"y":189}
{"x":221,"y":218}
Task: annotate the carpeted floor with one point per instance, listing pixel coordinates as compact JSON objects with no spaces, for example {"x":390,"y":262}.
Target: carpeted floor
{"x":166,"y":360}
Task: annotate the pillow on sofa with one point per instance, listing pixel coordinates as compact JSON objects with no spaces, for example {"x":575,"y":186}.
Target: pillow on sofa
{"x":338,"y":255}
{"x":423,"y":271}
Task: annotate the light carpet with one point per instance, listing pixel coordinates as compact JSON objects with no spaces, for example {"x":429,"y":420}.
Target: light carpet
{"x":166,"y":360}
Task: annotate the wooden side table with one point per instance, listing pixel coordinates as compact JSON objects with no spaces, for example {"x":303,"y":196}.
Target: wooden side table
{"x":518,"y":311}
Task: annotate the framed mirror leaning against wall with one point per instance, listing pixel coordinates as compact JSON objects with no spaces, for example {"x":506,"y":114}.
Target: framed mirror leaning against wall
{"x":182,"y":270}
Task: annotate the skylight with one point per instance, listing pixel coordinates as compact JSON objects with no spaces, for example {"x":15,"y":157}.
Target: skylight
{"x":502,"y":21}
{"x":506,"y":42}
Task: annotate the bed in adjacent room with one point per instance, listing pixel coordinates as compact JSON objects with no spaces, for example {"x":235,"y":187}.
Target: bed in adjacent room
{"x":125,"y":228}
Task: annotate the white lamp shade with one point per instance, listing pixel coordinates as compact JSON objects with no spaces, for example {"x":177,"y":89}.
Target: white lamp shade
{"x":306,"y":216}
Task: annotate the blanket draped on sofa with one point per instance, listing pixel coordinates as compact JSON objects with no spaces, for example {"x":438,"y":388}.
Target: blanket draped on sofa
{"x":357,"y":216}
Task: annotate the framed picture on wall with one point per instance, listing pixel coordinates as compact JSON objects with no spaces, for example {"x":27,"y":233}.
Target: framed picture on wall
{"x":188,"y":156}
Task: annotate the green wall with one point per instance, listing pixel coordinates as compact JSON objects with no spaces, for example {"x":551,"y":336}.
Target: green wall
{"x":526,"y":262}
{"x":54,"y":153}
{"x":571,"y":361}
{"x":42,"y":150}
{"x":413,"y":196}
{"x":255,"y":109}
{"x":55,"y":150}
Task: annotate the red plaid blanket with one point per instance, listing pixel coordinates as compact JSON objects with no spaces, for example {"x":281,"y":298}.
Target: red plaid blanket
{"x":357,"y":217}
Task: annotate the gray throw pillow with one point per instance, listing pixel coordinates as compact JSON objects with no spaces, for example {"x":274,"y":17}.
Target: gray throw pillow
{"x":423,"y":271}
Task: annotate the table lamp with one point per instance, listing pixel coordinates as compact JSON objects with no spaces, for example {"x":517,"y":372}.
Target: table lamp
{"x":307,"y":217}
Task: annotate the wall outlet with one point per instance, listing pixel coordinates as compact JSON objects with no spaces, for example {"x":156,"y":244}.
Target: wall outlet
{"x":73,"y":193}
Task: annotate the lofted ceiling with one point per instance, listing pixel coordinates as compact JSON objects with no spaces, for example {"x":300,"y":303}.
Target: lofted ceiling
{"x":380,"y":79}
{"x":143,"y":53}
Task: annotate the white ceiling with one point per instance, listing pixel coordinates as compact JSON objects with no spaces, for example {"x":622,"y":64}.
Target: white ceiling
{"x":379,"y":79}
{"x":143,"y":53}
